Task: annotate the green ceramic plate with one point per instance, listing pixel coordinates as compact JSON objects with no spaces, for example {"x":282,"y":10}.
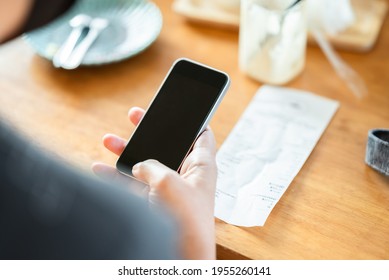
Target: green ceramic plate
{"x":133,"y":26}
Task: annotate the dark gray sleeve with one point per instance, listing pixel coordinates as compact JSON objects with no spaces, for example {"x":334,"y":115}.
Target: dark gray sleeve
{"x":50,"y":211}
{"x":44,"y":11}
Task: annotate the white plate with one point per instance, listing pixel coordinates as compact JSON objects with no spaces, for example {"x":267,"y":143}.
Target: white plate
{"x":133,"y":26}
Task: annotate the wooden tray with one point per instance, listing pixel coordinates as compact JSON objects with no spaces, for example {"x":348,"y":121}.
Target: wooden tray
{"x":361,"y":36}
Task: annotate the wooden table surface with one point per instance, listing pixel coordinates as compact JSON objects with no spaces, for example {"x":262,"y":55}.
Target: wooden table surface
{"x":336,"y":208}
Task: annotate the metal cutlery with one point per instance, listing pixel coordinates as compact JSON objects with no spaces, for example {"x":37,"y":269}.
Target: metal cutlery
{"x":96,"y":26}
{"x":79,"y":23}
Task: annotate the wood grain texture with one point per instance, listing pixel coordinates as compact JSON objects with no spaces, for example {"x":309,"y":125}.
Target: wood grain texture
{"x":336,"y":208}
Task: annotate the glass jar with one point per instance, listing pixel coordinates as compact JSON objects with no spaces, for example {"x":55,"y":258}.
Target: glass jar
{"x":272,"y":39}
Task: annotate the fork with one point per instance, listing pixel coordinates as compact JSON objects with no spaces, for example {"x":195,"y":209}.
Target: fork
{"x":96,"y":26}
{"x":79,"y":23}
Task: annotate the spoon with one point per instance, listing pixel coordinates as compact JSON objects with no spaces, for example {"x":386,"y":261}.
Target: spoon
{"x":78,"y":23}
{"x":293,"y":4}
{"x":273,"y":37}
{"x":96,"y":26}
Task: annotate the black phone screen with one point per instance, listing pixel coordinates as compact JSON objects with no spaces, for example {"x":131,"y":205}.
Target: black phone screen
{"x":175,"y":117}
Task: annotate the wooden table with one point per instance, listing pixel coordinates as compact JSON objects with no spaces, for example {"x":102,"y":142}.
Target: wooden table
{"x":336,"y":208}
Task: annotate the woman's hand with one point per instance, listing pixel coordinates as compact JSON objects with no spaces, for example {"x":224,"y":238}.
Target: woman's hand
{"x":189,"y":195}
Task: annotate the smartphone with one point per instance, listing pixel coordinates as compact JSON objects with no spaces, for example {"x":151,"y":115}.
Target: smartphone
{"x":178,"y":114}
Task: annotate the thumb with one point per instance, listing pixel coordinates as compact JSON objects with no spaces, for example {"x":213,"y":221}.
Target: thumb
{"x":155,"y":174}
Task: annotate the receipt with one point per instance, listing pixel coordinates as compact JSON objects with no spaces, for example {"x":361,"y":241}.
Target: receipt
{"x":265,"y":151}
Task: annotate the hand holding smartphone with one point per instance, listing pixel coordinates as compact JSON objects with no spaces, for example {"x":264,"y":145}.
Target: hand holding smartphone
{"x":178,"y":114}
